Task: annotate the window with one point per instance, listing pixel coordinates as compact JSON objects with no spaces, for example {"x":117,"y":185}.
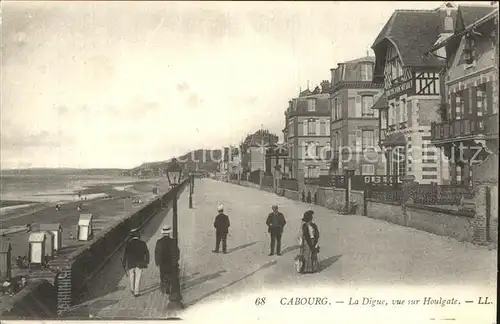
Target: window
{"x":398,"y":164}
{"x":311,"y":104}
{"x":383,"y":119}
{"x":322,"y":128}
{"x":312,"y":171}
{"x":318,"y":150}
{"x":368,"y":139}
{"x":311,"y":129}
{"x":482,"y":104}
{"x":332,"y":108}
{"x":459,"y":106}
{"x":392,"y":115}
{"x":351,"y":105}
{"x":338,"y":104}
{"x":366,"y":72}
{"x":403,"y":116}
{"x":367,"y":104}
{"x":367,"y":169}
{"x":469,"y":53}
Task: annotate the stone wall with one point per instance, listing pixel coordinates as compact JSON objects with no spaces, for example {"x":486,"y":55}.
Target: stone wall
{"x":389,"y":212}
{"x":35,"y":301}
{"x":458,"y":225}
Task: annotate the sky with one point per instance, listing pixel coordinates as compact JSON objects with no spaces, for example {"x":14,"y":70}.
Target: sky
{"x":116,"y":84}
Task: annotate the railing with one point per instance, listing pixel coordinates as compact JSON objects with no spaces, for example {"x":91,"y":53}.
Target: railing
{"x":289,"y":184}
{"x":464,"y":127}
{"x":267,"y":181}
{"x":422,"y":194}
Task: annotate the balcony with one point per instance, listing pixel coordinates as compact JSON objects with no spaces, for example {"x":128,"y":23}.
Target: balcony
{"x":452,"y":130}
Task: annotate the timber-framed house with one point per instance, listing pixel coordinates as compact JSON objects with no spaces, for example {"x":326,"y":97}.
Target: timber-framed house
{"x":468,"y":130}
{"x":412,"y":89}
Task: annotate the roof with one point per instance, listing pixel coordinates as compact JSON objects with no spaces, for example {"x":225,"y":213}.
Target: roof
{"x":412,"y":32}
{"x":381,"y":103}
{"x":487,"y":17}
{"x":37,"y":237}
{"x":359,"y":60}
{"x":395,"y":139}
{"x":85,"y":219}
{"x":5,"y":247}
{"x":469,"y":14}
{"x":50,"y":227}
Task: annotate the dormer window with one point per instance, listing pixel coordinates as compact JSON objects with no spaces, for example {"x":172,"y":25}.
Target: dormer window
{"x":469,"y":53}
{"x":311,"y":105}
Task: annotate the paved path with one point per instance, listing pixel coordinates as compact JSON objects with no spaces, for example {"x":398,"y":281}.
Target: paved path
{"x":356,"y":252}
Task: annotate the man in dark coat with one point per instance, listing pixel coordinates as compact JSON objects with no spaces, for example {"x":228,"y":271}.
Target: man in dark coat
{"x":135,"y":258}
{"x":275,"y":223}
{"x":167,"y":259}
{"x":221,"y":225}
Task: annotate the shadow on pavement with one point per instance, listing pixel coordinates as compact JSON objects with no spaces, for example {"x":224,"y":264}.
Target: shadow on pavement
{"x":290,"y":249}
{"x":325,"y":263}
{"x":201,"y":279}
{"x":240,"y":247}
{"x":113,"y":271}
{"x":84,"y":311}
{"x":264,"y":266}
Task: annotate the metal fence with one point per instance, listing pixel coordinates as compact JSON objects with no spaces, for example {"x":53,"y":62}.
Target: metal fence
{"x":421,"y":194}
{"x":268,"y":181}
{"x":289,"y":184}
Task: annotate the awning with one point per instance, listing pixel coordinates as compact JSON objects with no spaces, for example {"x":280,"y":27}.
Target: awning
{"x":395,"y":139}
{"x":381,"y":103}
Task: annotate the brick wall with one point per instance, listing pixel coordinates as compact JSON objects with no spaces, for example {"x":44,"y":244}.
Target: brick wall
{"x":35,"y":301}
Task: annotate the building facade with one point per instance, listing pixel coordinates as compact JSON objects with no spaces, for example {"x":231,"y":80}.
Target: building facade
{"x":354,"y":124}
{"x":253,"y":150}
{"x":468,"y":130}
{"x":412,"y":91}
{"x":276,"y":161}
{"x":307,"y":134}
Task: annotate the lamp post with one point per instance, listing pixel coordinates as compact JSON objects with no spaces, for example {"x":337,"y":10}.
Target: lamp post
{"x":191,"y":189}
{"x":348,"y":174}
{"x":174,"y":172}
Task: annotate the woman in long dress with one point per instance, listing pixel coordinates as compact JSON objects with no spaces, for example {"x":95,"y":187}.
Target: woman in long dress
{"x":309,"y":243}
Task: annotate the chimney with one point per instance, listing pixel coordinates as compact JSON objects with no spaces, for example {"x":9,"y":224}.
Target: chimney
{"x":325,"y":85}
{"x":448,"y":22}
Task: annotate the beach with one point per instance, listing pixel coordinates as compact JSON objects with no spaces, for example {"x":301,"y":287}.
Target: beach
{"x":31,"y":202}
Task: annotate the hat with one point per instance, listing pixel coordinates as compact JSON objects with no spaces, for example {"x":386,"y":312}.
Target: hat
{"x":308,"y":216}
{"x":220,"y":207}
{"x":166,"y":230}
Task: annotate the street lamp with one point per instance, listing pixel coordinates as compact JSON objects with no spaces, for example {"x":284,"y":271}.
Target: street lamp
{"x":348,"y":174}
{"x":191,"y":189}
{"x":174,"y":173}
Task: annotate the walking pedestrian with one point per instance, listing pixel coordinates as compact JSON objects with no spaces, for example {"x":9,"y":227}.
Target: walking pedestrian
{"x":309,"y":248}
{"x":135,"y":259}
{"x":221,"y":225}
{"x":275,"y":224}
{"x":167,"y":259}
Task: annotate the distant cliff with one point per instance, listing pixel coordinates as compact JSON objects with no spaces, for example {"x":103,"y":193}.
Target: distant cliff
{"x":204,"y":160}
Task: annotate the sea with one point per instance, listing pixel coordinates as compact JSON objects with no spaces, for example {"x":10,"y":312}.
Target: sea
{"x":52,"y":185}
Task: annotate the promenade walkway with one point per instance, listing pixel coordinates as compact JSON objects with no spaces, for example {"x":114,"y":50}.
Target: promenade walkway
{"x":355,"y":252}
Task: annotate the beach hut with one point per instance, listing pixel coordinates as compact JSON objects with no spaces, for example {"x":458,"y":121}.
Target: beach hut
{"x":5,"y":261}
{"x":155,"y":191}
{"x":49,"y":246}
{"x":85,"y":227}
{"x":37,"y":247}
{"x":56,"y":230}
